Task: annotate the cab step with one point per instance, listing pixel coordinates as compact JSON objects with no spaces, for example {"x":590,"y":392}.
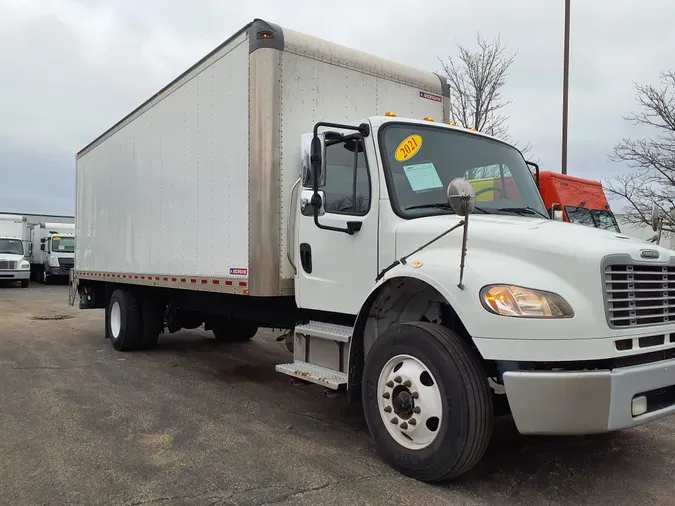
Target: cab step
{"x":320,"y":330}
{"x":314,"y":374}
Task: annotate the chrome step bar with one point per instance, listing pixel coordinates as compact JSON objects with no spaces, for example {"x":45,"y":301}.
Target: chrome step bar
{"x":314,"y":374}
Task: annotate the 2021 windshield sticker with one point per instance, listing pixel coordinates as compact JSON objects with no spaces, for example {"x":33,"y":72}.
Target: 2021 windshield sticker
{"x":408,"y":148}
{"x":422,"y":176}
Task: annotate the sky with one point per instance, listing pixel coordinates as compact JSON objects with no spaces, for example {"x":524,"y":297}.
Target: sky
{"x":70,"y":69}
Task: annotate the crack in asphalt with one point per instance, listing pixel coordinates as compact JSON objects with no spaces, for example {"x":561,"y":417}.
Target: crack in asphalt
{"x":301,"y":492}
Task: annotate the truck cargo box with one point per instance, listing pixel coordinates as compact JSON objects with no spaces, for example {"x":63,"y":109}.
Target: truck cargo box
{"x":191,"y":189}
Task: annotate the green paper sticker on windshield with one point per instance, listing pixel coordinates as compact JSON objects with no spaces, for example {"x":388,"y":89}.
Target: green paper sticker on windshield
{"x":422,"y":176}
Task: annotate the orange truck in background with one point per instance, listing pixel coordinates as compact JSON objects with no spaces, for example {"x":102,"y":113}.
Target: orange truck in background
{"x":581,"y":201}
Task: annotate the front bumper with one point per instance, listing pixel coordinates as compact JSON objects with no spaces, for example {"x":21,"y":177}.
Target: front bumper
{"x":589,"y":402}
{"x":59,"y":271}
{"x":14,"y":275}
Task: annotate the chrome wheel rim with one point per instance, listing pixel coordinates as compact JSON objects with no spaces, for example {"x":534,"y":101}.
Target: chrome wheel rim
{"x":410,"y":402}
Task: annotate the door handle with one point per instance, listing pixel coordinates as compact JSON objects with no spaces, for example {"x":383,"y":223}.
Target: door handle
{"x":306,"y":257}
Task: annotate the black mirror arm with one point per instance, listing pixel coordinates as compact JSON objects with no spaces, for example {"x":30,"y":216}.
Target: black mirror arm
{"x":536,"y":171}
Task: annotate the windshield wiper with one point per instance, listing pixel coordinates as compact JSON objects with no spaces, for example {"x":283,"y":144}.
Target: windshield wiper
{"x":441,"y":205}
{"x":438,"y":205}
{"x":522,"y":211}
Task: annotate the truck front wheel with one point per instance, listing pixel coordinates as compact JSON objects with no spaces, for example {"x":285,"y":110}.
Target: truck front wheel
{"x":232,"y":330}
{"x":123,"y":321}
{"x":427,"y":401}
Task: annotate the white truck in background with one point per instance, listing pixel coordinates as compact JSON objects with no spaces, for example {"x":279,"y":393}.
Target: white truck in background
{"x":13,"y":264}
{"x":273,"y":185}
{"x":52,"y":250}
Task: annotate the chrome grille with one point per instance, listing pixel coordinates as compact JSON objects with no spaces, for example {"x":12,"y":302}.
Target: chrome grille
{"x":7,"y":264}
{"x":639,"y":294}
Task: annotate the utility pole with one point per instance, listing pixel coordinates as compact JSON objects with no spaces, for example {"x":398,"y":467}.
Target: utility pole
{"x":566,"y":79}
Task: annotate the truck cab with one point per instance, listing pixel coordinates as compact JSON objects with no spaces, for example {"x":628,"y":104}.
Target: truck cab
{"x":562,"y":317}
{"x":582,"y":201}
{"x":53,"y":251}
{"x":13,"y":264}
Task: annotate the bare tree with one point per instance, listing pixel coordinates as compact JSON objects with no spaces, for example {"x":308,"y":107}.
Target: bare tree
{"x":476,"y":78}
{"x":652,"y":181}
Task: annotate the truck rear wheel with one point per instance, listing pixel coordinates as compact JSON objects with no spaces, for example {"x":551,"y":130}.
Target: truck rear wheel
{"x":232,"y":330}
{"x":427,"y":401}
{"x":152,"y":321}
{"x":123,"y":321}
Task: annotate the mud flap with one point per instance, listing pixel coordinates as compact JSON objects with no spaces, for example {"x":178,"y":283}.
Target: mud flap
{"x":72,"y":287}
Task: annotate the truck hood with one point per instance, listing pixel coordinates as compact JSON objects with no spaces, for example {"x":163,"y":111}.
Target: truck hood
{"x":532,"y":240}
{"x":539,"y":254}
{"x":11,"y":258}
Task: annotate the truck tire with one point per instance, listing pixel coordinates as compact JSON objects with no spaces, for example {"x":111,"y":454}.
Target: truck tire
{"x":152,"y":321}
{"x":123,"y":321}
{"x":427,"y":401}
{"x":24,"y":283}
{"x":46,"y":278}
{"x":232,"y":330}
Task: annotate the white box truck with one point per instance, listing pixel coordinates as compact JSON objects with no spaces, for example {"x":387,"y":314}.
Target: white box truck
{"x":52,"y":250}
{"x":13,"y":264}
{"x":284,"y":181}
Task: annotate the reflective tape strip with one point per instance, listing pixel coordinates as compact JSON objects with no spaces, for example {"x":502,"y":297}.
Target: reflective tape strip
{"x":204,"y":284}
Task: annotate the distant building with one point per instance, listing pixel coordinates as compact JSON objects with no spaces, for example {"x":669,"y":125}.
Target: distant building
{"x":33,"y":219}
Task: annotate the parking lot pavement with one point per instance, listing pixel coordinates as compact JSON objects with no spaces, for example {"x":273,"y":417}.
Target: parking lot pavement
{"x":195,"y":422}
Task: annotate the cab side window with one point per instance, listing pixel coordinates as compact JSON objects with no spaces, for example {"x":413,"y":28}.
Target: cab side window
{"x":347,"y":187}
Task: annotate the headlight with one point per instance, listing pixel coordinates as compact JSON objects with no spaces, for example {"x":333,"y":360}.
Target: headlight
{"x":53,"y":261}
{"x":507,"y":300}
{"x":24,"y":265}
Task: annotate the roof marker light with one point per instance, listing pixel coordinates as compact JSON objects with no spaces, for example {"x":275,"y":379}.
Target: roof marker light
{"x":390,"y":114}
{"x":428,"y":118}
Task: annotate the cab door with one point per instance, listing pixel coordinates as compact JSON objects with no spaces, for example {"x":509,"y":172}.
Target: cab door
{"x":336,"y":270}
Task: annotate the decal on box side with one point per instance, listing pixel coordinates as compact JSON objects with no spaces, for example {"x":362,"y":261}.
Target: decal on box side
{"x":430,"y":96}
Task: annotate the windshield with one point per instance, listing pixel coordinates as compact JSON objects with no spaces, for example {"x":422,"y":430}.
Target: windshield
{"x":421,"y":161}
{"x":63,"y":244}
{"x":11,"y":246}
{"x":592,"y":218}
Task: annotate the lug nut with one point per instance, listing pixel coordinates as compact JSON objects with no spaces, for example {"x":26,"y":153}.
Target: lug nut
{"x":387,"y":409}
{"x":397,"y":379}
{"x":385,"y":395}
{"x":390,"y":384}
{"x":407,"y":383}
{"x":394,"y":421}
{"x":417,"y":410}
{"x":412,"y":421}
{"x":415,"y":395}
{"x":404,"y":426}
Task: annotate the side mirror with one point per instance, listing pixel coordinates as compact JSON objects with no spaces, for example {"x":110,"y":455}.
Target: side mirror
{"x":556,"y":212}
{"x":657,"y":218}
{"x":313,"y":155}
{"x":42,"y":247}
{"x":536,"y":171}
{"x":42,"y":240}
{"x":461,"y":196}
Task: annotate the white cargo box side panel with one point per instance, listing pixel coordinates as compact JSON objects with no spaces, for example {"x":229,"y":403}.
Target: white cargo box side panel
{"x":326,"y":82}
{"x":168,"y":192}
{"x":11,"y":226}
